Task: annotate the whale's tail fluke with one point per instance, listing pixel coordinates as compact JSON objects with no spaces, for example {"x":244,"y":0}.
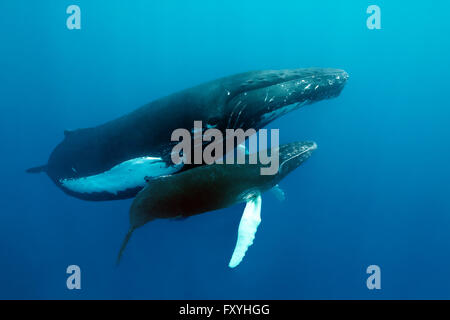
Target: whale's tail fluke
{"x":124,"y":244}
{"x":37,"y":169}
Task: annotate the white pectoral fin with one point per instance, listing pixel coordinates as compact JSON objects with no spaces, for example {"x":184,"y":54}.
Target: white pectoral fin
{"x":251,"y":218}
{"x":126,"y":175}
{"x":278,"y":193}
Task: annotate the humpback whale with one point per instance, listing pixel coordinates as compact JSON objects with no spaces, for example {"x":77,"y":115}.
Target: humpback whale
{"x":110,"y":161}
{"x":212,"y":187}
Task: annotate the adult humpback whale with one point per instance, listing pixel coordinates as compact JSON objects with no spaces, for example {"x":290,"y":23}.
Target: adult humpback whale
{"x":213,"y":187}
{"x":110,"y":161}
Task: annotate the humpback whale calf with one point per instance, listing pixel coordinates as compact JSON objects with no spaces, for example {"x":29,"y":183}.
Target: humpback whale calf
{"x":212,"y":187}
{"x":110,"y":161}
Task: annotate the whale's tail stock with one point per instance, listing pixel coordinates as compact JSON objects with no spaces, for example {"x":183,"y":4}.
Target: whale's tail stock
{"x":124,"y":244}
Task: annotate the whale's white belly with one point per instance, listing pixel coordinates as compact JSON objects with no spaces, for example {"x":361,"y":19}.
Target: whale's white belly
{"x":126,"y":175}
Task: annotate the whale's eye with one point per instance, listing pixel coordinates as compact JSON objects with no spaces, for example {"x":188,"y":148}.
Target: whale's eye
{"x":212,"y":122}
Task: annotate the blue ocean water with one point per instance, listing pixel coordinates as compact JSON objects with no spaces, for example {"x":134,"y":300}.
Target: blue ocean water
{"x":375,"y":192}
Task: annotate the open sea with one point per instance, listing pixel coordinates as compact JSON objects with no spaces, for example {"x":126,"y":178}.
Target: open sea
{"x":375,"y":192}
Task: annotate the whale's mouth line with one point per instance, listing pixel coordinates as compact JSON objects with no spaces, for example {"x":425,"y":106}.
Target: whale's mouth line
{"x":274,"y":114}
{"x":306,"y":149}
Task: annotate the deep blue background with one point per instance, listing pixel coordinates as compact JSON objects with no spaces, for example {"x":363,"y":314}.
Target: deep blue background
{"x":375,"y":192}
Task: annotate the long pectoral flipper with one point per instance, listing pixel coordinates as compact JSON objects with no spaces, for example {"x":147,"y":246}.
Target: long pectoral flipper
{"x":251,"y":218}
{"x":126,"y":175}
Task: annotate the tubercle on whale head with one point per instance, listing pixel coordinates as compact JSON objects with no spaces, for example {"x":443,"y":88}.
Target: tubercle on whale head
{"x":262,"y":96}
{"x":282,"y":161}
{"x":292,"y":155}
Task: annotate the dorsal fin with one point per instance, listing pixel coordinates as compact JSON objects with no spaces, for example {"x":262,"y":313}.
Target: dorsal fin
{"x":68,"y":132}
{"x":37,"y":169}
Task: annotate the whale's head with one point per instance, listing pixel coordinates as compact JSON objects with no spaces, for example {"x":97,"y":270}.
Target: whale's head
{"x":259,"y":97}
{"x":292,"y":155}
